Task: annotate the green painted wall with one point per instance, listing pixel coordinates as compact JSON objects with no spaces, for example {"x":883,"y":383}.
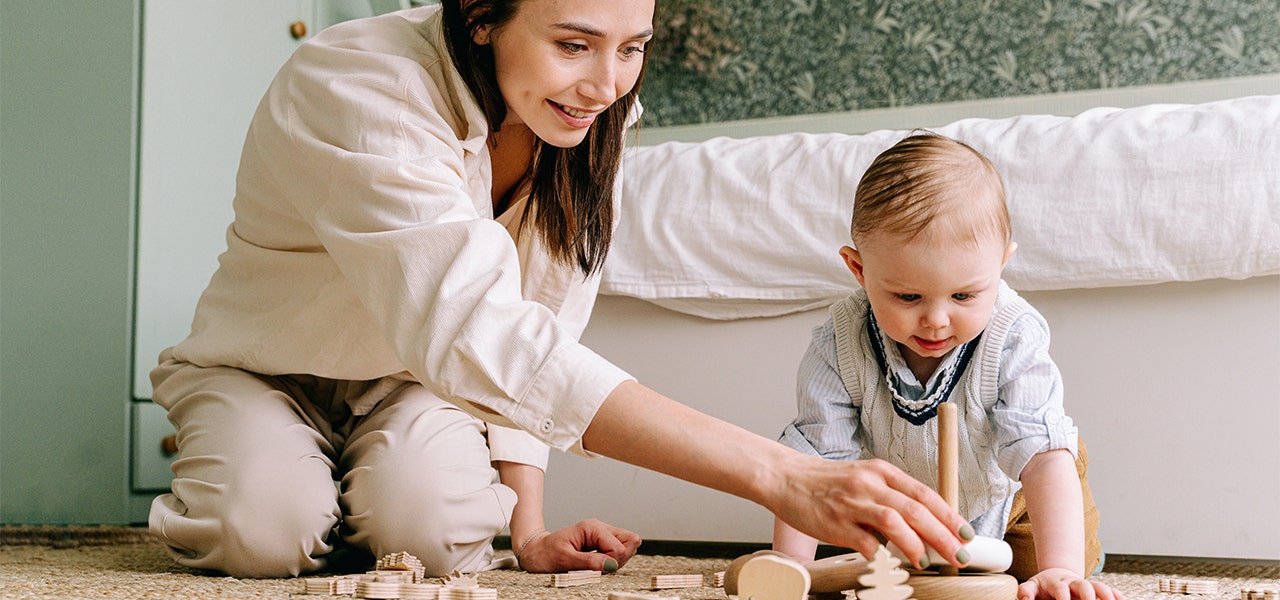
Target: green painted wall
{"x":724,"y":60}
{"x":67,"y":125}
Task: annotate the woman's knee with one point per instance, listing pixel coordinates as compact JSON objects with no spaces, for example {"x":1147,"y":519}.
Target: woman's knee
{"x":419,"y":479}
{"x":274,"y":530}
{"x":445,"y":529}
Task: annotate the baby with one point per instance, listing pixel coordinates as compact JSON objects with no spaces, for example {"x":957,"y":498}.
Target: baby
{"x":933,"y":323}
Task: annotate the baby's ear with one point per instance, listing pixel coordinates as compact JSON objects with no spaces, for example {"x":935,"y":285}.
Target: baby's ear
{"x":1008,"y":252}
{"x":853,"y":260}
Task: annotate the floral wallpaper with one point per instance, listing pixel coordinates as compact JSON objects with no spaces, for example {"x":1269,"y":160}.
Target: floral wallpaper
{"x":722,"y":60}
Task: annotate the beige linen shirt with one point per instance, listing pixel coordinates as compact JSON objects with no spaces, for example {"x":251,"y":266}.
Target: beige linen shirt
{"x":364,"y":246}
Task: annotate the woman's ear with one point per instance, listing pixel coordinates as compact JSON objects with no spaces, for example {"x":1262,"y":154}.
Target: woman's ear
{"x":853,"y":260}
{"x":481,"y":35}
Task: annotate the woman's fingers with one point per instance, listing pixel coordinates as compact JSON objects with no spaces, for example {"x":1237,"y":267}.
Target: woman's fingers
{"x":843,"y":502}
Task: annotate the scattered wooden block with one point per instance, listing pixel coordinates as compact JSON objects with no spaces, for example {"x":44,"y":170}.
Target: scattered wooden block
{"x":399,"y":561}
{"x":461,"y":580}
{"x":1260,"y":592}
{"x":717,"y":580}
{"x":390,"y":576}
{"x":460,"y":586}
{"x":468,"y":593}
{"x":329,"y":586}
{"x":377,"y":590}
{"x":616,"y":595}
{"x":419,"y":591}
{"x":662,"y":582}
{"x":573,"y":578}
{"x":1188,"y":586}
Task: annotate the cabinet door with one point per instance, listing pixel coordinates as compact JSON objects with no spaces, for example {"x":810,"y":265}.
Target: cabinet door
{"x":205,"y":66}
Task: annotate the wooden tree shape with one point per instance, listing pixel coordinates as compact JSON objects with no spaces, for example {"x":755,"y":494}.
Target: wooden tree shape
{"x":882,"y":582}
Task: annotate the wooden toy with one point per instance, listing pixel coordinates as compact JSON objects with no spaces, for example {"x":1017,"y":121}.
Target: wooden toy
{"x":1188,"y":586}
{"x":885,"y":579}
{"x":618,"y":595}
{"x":948,"y":469}
{"x":1258,"y":592}
{"x":771,"y":577}
{"x":661,"y":582}
{"x":573,"y":578}
{"x":981,"y":580}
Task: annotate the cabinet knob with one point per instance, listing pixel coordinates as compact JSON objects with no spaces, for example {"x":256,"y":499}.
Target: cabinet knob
{"x":169,"y":444}
{"x":297,"y":29}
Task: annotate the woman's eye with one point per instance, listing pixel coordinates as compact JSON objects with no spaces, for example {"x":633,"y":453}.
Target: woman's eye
{"x":572,"y":48}
{"x":631,"y":51}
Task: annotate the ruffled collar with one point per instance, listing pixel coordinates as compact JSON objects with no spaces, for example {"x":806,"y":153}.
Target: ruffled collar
{"x":913,"y":401}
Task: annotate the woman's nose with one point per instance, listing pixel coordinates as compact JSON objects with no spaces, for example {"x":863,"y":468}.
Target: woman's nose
{"x":600,"y":83}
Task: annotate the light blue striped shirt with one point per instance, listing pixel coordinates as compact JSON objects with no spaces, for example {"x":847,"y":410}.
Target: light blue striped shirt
{"x":1010,"y":400}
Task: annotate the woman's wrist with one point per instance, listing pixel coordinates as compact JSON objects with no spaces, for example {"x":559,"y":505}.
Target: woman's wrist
{"x":528,"y":540}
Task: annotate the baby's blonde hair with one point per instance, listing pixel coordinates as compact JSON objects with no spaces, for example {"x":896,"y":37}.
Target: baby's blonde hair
{"x":933,"y":185}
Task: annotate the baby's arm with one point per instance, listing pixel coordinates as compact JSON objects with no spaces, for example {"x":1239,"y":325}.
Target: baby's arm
{"x":1056,"y":507}
{"x":793,"y":543}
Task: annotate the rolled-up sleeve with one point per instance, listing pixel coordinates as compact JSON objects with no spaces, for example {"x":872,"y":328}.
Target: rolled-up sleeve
{"x":1029,"y":417}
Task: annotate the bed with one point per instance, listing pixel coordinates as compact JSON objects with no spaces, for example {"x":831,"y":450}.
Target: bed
{"x":1149,"y":237}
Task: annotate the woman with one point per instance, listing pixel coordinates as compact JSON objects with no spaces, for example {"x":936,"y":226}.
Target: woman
{"x":423,"y":205}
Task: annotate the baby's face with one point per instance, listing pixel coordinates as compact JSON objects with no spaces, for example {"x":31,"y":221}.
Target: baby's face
{"x":930,"y":297}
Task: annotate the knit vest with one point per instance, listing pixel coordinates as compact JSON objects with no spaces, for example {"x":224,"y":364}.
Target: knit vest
{"x":914,"y":449}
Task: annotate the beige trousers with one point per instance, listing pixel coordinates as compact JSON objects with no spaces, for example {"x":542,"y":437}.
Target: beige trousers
{"x":272,"y":471}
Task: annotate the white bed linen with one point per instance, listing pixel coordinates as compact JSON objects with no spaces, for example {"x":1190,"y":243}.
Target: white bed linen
{"x":735,"y":228}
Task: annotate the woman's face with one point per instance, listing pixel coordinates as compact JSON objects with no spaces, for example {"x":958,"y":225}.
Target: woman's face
{"x":560,"y":63}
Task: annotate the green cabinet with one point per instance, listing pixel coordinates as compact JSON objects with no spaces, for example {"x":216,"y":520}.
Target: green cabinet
{"x":120,"y":131}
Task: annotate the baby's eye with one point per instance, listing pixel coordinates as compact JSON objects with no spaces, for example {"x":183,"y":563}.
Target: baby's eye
{"x":908,"y":297}
{"x":962,"y":297}
{"x":572,"y":48}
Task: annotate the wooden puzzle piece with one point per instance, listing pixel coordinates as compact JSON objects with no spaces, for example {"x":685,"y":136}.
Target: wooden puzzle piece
{"x":883,"y":582}
{"x":769,"y":577}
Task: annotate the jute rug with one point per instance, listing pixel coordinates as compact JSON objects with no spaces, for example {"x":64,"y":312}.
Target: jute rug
{"x":79,"y":562}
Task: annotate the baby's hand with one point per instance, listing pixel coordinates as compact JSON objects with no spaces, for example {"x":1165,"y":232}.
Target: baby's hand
{"x":1063,"y":584}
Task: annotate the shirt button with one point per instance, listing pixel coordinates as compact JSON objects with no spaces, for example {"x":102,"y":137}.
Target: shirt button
{"x":546,"y":426}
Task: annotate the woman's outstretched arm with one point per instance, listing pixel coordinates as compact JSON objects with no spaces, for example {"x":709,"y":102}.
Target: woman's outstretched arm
{"x":839,"y":502}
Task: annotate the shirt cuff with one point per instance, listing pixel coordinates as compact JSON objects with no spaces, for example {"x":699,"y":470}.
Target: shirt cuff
{"x":514,"y":445}
{"x":565,"y":396}
{"x":1061,"y":433}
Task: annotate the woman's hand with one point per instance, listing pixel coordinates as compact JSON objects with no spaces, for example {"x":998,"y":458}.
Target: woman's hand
{"x":849,"y":503}
{"x":1063,"y":584}
{"x":586,"y":545}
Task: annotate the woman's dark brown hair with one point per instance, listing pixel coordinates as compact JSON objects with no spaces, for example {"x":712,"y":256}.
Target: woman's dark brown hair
{"x":571,"y":189}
